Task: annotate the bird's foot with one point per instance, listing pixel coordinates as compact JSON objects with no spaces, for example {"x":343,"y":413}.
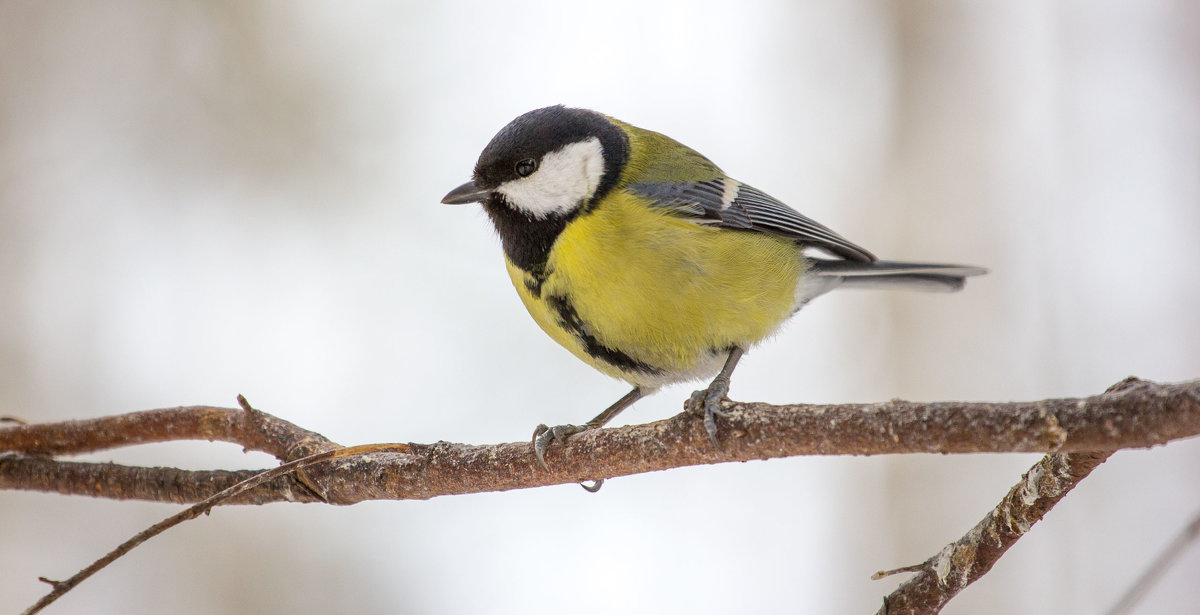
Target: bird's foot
{"x":708,"y":404}
{"x":544,"y":436}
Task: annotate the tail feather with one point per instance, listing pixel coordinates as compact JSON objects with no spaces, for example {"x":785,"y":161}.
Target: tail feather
{"x":894,"y":275}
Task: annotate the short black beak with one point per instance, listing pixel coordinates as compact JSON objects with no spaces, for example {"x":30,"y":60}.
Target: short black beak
{"x":466,"y":193}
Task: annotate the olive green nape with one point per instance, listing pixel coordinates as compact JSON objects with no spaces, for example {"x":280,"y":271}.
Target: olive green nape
{"x":655,"y":157}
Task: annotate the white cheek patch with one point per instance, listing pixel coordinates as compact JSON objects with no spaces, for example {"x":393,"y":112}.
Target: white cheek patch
{"x":565,"y":178}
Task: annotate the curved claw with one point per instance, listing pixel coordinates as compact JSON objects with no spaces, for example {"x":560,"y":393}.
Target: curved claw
{"x":544,"y":436}
{"x":709,"y":400}
{"x":539,"y":445}
{"x":710,"y":422}
{"x":594,"y":487}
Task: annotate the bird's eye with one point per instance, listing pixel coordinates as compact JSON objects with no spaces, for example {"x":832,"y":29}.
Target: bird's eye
{"x":526,"y":167}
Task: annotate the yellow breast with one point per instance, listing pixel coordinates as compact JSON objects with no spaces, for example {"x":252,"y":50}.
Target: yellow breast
{"x":664,"y":291}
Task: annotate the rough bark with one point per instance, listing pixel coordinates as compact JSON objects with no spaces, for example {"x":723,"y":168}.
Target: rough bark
{"x":1131,"y":414}
{"x":1135,"y":414}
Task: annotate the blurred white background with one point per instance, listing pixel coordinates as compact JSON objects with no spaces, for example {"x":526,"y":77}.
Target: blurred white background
{"x":200,"y":199}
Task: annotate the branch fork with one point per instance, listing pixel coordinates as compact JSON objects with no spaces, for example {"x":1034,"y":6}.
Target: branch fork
{"x":1077,"y":433}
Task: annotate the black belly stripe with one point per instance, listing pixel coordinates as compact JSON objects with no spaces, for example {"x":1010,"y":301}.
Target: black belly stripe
{"x":569,"y":319}
{"x":534,"y":280}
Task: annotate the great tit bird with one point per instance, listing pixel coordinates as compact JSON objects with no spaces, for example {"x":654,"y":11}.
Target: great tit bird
{"x":642,"y":258}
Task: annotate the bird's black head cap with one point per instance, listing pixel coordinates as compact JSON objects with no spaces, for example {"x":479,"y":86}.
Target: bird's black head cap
{"x":541,"y":131}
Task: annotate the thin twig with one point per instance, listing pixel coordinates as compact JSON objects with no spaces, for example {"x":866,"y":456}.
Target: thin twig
{"x":882,"y":574}
{"x":202,"y":507}
{"x":1161,"y":564}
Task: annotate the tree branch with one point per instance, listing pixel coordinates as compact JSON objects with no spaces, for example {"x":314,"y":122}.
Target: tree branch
{"x":120,"y":482}
{"x":961,"y":562}
{"x":1131,"y":414}
{"x":1135,"y":414}
{"x":254,"y":430}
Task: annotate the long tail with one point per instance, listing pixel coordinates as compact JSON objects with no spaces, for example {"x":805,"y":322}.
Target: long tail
{"x":894,"y":275}
{"x":826,"y":275}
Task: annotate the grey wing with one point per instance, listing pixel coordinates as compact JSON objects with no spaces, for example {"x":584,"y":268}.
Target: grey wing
{"x":728,"y":203}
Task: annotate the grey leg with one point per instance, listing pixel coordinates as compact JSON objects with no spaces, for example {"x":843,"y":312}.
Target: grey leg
{"x":543,"y":436}
{"x":716,"y":391}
